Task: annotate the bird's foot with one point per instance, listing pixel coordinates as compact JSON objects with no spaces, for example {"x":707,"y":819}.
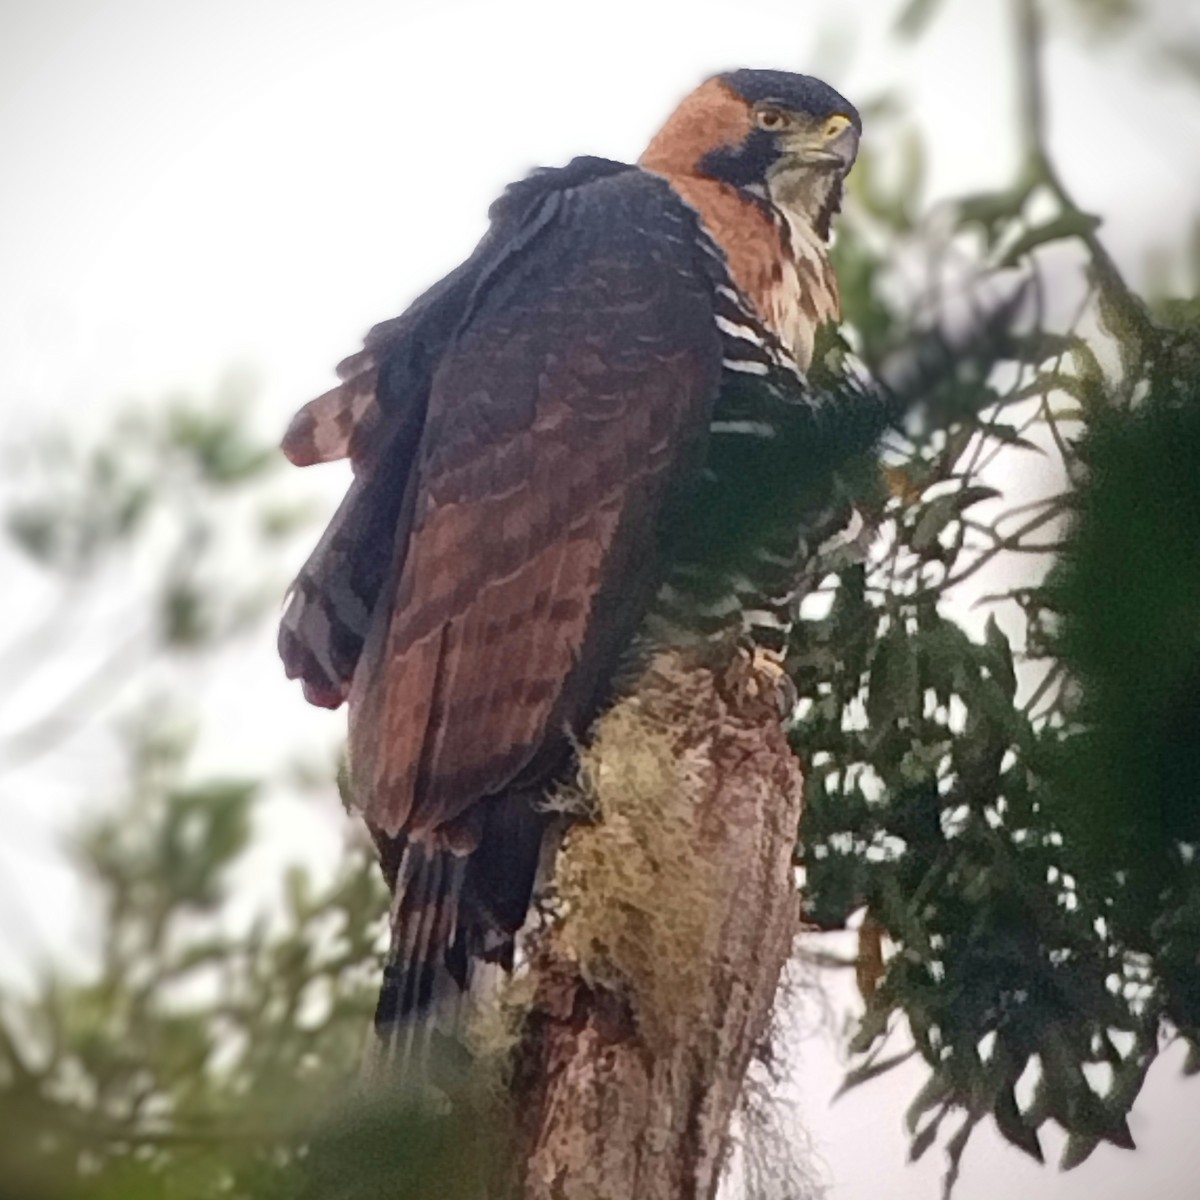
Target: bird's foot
{"x":758,"y":674}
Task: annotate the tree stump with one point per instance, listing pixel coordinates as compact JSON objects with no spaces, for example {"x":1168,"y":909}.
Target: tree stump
{"x":673,"y":914}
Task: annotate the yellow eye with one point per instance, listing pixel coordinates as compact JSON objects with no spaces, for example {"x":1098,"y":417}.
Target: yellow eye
{"x":770,"y":119}
{"x":835,"y":125}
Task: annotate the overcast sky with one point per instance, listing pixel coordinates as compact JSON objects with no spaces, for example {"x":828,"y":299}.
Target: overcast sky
{"x":190,"y":185}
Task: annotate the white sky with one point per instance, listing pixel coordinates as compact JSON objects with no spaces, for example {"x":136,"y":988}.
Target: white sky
{"x":189,"y":185}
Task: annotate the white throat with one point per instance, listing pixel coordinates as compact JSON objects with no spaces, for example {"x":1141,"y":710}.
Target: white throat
{"x":806,"y":297}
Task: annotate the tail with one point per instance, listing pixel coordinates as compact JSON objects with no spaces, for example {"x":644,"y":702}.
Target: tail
{"x":452,"y":910}
{"x":426,"y":974}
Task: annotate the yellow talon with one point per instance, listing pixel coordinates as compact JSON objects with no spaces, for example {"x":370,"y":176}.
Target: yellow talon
{"x":758,"y":673}
{"x":769,"y":663}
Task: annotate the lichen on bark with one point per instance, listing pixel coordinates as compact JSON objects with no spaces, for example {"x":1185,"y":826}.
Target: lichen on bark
{"x":674,"y":912}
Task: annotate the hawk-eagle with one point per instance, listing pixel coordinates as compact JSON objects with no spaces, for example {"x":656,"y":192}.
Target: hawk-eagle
{"x":594,"y":433}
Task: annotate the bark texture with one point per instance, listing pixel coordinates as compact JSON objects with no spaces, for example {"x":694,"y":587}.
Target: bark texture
{"x":673,"y":915}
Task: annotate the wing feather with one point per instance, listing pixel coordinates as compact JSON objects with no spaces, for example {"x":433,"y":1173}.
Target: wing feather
{"x":558,"y":421}
{"x":321,"y":431}
{"x":375,"y":418}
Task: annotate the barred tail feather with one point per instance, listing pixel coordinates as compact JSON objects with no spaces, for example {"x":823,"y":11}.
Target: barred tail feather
{"x":425,"y":977}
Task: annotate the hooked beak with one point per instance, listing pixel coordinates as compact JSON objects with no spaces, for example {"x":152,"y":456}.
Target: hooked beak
{"x":841,"y":151}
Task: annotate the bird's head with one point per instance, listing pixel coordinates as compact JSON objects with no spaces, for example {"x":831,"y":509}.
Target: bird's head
{"x":790,"y":139}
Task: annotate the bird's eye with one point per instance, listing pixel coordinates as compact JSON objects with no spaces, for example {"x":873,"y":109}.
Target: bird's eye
{"x":770,"y":118}
{"x":835,"y":125}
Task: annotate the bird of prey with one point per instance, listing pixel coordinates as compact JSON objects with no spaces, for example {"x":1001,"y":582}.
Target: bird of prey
{"x":594,"y":433}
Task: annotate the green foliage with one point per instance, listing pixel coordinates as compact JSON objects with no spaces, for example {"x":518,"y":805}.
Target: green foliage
{"x":1132,"y":765}
{"x":1017,"y":803}
{"x":150,"y":536}
{"x":198,"y":1050}
{"x":191,"y":1036}
{"x":77,"y":503}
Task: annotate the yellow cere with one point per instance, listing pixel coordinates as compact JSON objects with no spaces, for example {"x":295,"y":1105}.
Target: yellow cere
{"x":835,"y":125}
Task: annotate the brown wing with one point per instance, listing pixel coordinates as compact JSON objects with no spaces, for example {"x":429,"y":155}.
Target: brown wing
{"x":322,"y":430}
{"x":374,"y":417}
{"x":389,"y":372}
{"x":558,"y":421}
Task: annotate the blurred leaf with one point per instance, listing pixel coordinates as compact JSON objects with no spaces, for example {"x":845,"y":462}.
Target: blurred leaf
{"x":872,"y":1070}
{"x":991,"y":211}
{"x":1068,"y":225}
{"x":916,"y":16}
{"x":1191,"y":1064}
{"x":1106,"y":17}
{"x":925,"y":1138}
{"x":937,"y":1089}
{"x":1184,"y":57}
{"x":1010,"y":437}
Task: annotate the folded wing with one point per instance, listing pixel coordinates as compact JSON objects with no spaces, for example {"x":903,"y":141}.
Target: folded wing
{"x":574,"y":397}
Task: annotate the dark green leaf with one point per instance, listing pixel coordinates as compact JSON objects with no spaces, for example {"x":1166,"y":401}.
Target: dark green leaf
{"x":1010,"y":437}
{"x":1191,"y":1064}
{"x":872,"y":1070}
{"x":1001,"y":659}
{"x":934,"y":1092}
{"x":1078,"y":1150}
{"x":935,"y":517}
{"x":1013,"y":1127}
{"x":894,"y":690}
{"x":925,"y":1138}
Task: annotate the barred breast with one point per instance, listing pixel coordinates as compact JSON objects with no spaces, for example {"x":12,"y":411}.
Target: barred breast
{"x":736,"y":555}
